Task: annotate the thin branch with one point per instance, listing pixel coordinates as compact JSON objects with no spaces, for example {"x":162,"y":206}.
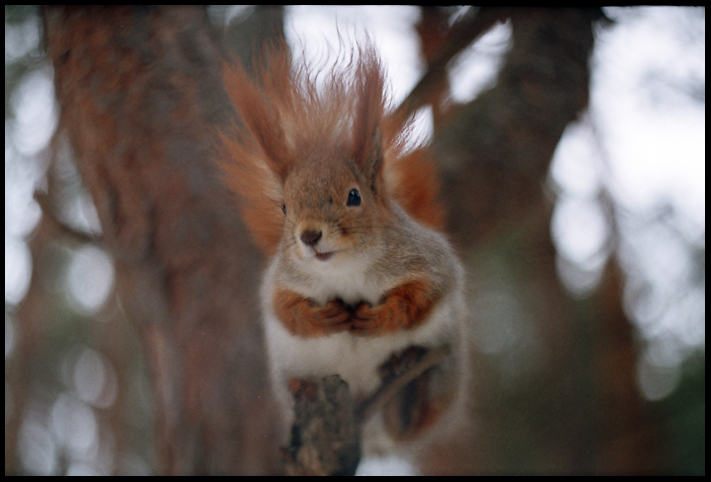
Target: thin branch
{"x":466,"y":30}
{"x":66,"y":231}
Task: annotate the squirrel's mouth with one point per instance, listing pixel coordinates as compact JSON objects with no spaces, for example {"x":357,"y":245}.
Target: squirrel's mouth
{"x":324,"y":256}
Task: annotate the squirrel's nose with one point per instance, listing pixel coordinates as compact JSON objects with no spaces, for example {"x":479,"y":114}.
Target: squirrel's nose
{"x":310,"y":238}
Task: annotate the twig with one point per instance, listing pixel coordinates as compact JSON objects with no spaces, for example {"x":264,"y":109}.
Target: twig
{"x":466,"y":30}
{"x":66,"y":231}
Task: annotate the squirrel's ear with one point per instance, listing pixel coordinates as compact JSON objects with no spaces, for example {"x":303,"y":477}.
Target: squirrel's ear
{"x":260,"y":116}
{"x":368,"y":116}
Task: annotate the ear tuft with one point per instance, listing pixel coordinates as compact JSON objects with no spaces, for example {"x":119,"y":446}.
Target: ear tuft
{"x":256,"y":157}
{"x":367,"y":148}
{"x":258,"y":105}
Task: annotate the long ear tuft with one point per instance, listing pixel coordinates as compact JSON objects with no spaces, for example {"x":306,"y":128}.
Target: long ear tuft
{"x":368,"y":116}
{"x":258,"y":110}
{"x":259,"y":190}
{"x":256,"y":157}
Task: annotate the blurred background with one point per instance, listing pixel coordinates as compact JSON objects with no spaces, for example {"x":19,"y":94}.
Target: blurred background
{"x":595,"y":367}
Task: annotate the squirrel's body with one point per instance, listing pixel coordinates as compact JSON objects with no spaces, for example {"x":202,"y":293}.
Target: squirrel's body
{"x":359,"y":281}
{"x":357,"y":358}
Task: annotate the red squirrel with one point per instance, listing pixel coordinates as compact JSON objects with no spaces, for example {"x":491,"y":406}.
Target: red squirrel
{"x":360,"y":277}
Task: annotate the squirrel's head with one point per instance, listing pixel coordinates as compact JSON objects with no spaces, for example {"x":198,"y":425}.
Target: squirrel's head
{"x":333,"y":204}
{"x":310,"y":149}
{"x":315,"y":158}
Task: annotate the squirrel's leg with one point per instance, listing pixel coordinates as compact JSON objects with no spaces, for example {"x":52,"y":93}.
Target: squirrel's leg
{"x":304,"y":317}
{"x":422,"y":401}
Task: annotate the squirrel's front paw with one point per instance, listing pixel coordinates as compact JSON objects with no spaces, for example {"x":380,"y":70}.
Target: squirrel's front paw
{"x":333,"y":317}
{"x":304,"y":317}
{"x":369,"y":320}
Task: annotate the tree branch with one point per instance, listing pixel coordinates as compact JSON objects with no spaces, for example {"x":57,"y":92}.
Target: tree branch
{"x":66,"y":231}
{"x":466,"y":30}
{"x":326,"y":434}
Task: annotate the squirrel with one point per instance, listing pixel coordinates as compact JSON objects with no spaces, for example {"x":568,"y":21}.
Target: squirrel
{"x":361,"y":280}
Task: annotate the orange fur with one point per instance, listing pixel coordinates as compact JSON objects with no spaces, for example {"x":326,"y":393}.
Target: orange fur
{"x":291,"y":109}
{"x":414,"y":184}
{"x":403,"y":307}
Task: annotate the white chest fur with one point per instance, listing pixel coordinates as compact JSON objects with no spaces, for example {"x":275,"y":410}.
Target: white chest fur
{"x":355,"y":358}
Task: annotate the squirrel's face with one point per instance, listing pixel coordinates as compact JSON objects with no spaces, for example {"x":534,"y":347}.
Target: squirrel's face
{"x":331,"y":212}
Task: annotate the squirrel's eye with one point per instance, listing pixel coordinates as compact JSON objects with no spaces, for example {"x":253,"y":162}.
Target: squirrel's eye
{"x":283,"y":208}
{"x":353,"y":198}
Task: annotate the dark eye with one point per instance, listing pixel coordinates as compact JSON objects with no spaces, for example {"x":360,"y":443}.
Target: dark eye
{"x":353,"y":198}
{"x":283,"y":208}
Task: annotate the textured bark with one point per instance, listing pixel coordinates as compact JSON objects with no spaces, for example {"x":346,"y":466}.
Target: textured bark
{"x":141,"y":98}
{"x":495,"y":153}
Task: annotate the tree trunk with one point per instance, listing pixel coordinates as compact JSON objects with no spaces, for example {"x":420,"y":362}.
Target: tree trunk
{"x":561,"y":412}
{"x":141,"y":98}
